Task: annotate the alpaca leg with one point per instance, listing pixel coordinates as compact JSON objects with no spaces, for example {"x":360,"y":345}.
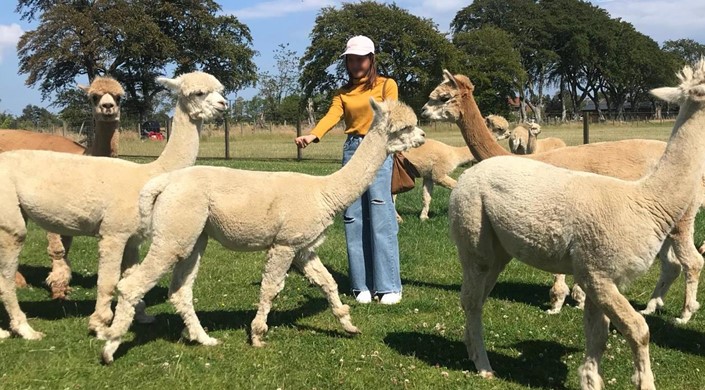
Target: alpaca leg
{"x":604,"y":293}
{"x":310,"y":264}
{"x":110,"y":251}
{"x":279,"y":259}
{"x":479,"y":277}
{"x":427,"y":195}
{"x":559,"y":291}
{"x":60,"y":275}
{"x":11,"y":241}
{"x":447,"y":182}
{"x":578,"y":295}
{"x":691,"y":260}
{"x":670,"y":269}
{"x":181,"y":293}
{"x":130,"y":260}
{"x":596,"y":326}
{"x":131,"y":290}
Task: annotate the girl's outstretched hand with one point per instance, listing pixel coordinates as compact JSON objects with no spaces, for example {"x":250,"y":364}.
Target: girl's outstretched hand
{"x":305,"y":140}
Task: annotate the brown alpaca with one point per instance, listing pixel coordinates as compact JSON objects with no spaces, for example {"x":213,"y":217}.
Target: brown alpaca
{"x":105,"y":95}
{"x":453,"y":100}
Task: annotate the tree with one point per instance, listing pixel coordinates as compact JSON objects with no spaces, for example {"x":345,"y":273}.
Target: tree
{"x":493,"y":65}
{"x":285,"y":82}
{"x":410,"y":49}
{"x":133,"y":40}
{"x":75,"y":107}
{"x":35,"y":116}
{"x":687,"y":51}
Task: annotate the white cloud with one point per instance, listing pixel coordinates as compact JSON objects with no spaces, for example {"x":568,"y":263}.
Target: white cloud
{"x":9,"y":35}
{"x":277,"y":8}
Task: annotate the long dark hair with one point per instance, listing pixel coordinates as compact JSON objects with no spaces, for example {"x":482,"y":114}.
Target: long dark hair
{"x":371,"y":74}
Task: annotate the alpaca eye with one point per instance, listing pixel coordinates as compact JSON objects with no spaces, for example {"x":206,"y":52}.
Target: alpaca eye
{"x":117,"y":99}
{"x":95,"y":99}
{"x":199,"y":93}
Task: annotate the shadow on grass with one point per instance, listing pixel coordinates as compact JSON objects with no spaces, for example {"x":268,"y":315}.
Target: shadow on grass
{"x":169,"y":326}
{"x":666,"y":334}
{"x":538,"y":366}
{"x":527,"y":293}
{"x":35,"y":276}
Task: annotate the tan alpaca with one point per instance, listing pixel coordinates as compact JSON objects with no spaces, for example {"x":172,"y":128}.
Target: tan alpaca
{"x":98,"y":196}
{"x":498,"y":125}
{"x":524,"y":140}
{"x":104,"y":94}
{"x":435,"y":161}
{"x":604,"y":231}
{"x":453,"y":100}
{"x":254,"y":211}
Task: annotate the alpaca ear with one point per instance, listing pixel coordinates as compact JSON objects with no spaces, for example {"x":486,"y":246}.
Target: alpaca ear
{"x":83,"y":88}
{"x":447,"y":76}
{"x":172,"y":84}
{"x":376,"y":107}
{"x":669,"y":94}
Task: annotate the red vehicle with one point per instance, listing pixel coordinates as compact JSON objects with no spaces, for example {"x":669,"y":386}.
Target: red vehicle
{"x":151,"y":130}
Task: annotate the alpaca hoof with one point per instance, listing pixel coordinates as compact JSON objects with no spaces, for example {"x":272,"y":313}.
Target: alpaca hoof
{"x":209,"y":341}
{"x":20,"y":281}
{"x":423,"y":218}
{"x":109,"y":350}
{"x":60,"y":292}
{"x":144,"y":318}
{"x":682,"y":320}
{"x":4,"y":334}
{"x":26,"y":332}
{"x":486,"y":374}
{"x":647,"y":311}
{"x":257,"y":342}
{"x":96,"y":326}
{"x":352,"y":329}
{"x":400,"y":219}
{"x":553,"y":311}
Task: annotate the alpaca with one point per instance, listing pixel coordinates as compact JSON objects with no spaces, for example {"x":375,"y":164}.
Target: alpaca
{"x":627,"y":160}
{"x":254,"y":211}
{"x":75,"y":195}
{"x":605,"y":231}
{"x":435,"y":161}
{"x":524,"y":140}
{"x":104,"y":94}
{"x":498,"y":125}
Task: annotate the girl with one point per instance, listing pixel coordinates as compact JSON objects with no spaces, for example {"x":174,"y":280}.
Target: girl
{"x":370,"y":222}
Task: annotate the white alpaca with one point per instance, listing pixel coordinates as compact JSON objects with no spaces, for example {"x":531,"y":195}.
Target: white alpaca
{"x":604,"y":231}
{"x":93,"y":196}
{"x":628,"y":160}
{"x":498,"y":125}
{"x":524,"y":140}
{"x":435,"y":161}
{"x":254,"y":211}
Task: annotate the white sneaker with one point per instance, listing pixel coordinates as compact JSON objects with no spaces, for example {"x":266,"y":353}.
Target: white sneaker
{"x":364,"y":297}
{"x":390,"y":298}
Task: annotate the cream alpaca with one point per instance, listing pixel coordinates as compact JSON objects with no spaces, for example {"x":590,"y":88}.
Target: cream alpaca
{"x":435,"y":161}
{"x":628,"y":160}
{"x":254,"y":211}
{"x":524,"y":140}
{"x":604,"y":231}
{"x":74,"y":195}
{"x":498,"y":125}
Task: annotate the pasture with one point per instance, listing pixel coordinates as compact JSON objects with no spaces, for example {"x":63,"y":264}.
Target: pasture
{"x":414,"y":345}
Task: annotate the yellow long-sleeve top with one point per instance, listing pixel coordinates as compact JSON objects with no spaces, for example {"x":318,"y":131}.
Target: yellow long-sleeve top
{"x":353,"y":105}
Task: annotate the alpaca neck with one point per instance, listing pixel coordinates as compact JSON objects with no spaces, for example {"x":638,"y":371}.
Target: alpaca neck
{"x":352,"y":180}
{"x":678,"y":175}
{"x":472,"y":125}
{"x":105,"y":139}
{"x":182,"y":148}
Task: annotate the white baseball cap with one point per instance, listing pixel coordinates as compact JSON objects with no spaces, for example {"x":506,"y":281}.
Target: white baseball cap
{"x":359,"y":45}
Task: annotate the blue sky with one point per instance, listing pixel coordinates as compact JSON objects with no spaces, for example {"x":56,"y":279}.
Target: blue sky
{"x":290,"y":21}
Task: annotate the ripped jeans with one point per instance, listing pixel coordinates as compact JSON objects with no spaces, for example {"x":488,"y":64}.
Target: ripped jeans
{"x":371,"y":232}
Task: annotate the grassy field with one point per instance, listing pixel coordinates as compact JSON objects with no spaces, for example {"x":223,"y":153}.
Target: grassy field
{"x":414,"y":345}
{"x":279,"y":144}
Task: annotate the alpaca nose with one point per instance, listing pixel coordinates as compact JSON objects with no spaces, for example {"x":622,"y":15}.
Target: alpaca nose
{"x":424,"y":110}
{"x":223,"y":103}
{"x":107,"y":106}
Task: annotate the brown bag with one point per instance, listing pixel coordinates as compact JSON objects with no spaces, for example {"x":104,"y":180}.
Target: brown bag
{"x":403,"y":174}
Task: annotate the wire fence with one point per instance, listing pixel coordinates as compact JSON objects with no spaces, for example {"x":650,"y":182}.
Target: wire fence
{"x":270,"y":141}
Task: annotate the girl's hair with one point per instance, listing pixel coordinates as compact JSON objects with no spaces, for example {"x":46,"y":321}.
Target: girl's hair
{"x":371,"y":74}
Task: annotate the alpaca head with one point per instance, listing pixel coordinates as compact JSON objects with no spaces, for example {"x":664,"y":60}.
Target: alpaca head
{"x":498,"y":125}
{"x":520,"y":138}
{"x":105,"y":95}
{"x":444,"y":102}
{"x":199,"y":94}
{"x":691,"y":88}
{"x":397,"y":122}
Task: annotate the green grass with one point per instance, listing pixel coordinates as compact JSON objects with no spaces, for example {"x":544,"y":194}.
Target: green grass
{"x":416,"y":344}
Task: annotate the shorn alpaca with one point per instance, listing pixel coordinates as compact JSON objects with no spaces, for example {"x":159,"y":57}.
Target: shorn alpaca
{"x":98,"y":196}
{"x":453,"y":100}
{"x":524,"y":140}
{"x":604,"y":231}
{"x":435,"y":161}
{"x":104,"y":94}
{"x":254,"y":211}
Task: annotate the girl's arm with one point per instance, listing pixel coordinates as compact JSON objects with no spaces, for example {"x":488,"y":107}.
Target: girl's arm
{"x":332,"y":117}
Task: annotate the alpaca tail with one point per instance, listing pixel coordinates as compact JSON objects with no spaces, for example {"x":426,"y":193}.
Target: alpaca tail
{"x":148,"y":197}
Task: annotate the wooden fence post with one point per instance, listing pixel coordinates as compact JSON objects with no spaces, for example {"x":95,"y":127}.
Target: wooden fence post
{"x":299,"y":151}
{"x":227,"y":137}
{"x":586,"y":128}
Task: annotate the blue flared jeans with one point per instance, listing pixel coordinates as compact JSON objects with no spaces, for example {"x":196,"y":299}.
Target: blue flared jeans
{"x":371,"y":232}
